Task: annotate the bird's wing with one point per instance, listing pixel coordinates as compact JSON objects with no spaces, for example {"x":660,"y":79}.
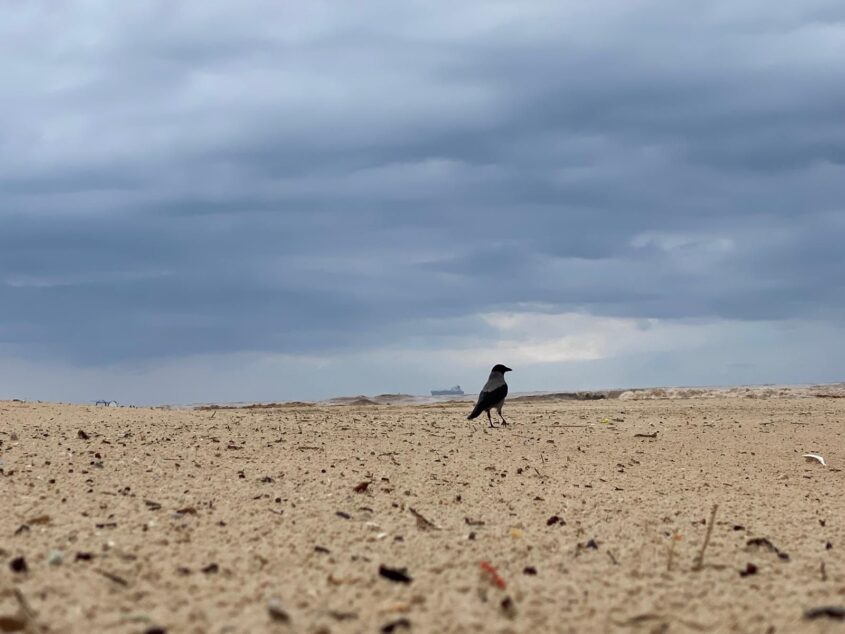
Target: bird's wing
{"x":488,"y":399}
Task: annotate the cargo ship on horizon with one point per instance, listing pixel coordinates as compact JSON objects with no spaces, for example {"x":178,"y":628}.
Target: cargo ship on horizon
{"x":452,"y":391}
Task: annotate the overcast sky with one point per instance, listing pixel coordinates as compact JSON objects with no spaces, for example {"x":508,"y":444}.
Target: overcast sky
{"x":217,"y":201}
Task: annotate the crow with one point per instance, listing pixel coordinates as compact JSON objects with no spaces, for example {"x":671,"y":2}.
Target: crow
{"x":492,"y":395}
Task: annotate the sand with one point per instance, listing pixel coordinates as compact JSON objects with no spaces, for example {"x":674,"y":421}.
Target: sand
{"x":248,"y":520}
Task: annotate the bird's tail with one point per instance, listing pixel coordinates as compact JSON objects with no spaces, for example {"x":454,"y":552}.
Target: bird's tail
{"x":475,"y":413}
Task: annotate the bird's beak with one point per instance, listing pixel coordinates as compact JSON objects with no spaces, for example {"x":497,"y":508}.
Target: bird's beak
{"x":508,"y":370}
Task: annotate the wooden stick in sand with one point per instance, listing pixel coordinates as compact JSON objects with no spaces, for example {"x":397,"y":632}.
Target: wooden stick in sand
{"x":699,"y":562}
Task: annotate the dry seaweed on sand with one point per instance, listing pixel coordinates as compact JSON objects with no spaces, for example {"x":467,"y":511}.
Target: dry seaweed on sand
{"x":835,"y":612}
{"x":398,"y":575}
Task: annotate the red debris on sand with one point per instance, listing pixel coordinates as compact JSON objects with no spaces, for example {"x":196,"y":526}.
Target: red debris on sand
{"x":495,"y":577}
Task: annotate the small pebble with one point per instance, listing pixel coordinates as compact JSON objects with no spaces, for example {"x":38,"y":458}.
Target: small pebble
{"x":55,"y":558}
{"x":18,"y":564}
{"x":395,"y":626}
{"x":750,"y":569}
{"x":277,"y":612}
{"x":508,"y":607}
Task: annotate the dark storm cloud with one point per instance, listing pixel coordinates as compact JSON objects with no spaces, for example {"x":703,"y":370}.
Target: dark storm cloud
{"x":190,"y":180}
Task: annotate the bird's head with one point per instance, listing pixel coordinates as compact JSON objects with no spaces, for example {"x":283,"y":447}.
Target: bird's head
{"x":501,"y":369}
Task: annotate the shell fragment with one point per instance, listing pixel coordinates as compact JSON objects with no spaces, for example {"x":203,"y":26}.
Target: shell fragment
{"x":814,"y":456}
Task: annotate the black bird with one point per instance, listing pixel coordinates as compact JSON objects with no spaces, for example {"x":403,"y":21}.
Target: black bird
{"x":492,"y":395}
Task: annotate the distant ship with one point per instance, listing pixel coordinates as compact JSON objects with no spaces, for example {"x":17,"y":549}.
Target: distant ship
{"x":452,"y":391}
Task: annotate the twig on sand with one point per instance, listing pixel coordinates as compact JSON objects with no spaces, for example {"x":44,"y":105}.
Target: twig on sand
{"x":390,"y":454}
{"x":699,"y":561}
{"x":676,"y":537}
{"x":112,"y":577}
{"x":24,"y":606}
{"x":543,"y":460}
{"x":423,"y":523}
{"x":539,"y":475}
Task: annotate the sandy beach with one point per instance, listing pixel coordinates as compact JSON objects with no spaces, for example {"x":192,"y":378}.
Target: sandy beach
{"x":580,"y":516}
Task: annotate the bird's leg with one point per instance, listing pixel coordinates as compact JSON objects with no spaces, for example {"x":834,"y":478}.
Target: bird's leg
{"x":504,"y":422}
{"x":490,"y":418}
{"x":499,"y":410}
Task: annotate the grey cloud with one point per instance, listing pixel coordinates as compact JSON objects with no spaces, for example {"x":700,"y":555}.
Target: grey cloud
{"x":320,"y":179}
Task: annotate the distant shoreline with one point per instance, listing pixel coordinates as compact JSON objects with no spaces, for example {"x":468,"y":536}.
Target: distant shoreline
{"x":808,"y":390}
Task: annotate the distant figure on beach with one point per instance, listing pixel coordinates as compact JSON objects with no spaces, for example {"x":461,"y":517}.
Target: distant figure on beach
{"x":492,"y":395}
